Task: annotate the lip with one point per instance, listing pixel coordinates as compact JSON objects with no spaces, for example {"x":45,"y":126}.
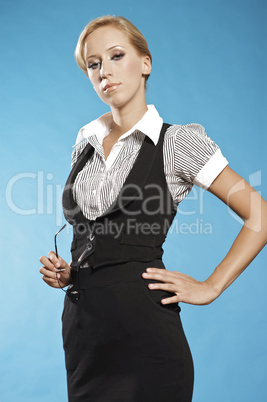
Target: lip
{"x":111,"y":87}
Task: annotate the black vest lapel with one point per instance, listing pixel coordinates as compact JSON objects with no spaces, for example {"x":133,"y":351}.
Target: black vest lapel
{"x":70,"y":208}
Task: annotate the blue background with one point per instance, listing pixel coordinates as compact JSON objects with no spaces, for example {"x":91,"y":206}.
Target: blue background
{"x":209,"y":66}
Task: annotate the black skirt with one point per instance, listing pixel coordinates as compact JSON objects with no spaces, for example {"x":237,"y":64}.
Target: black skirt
{"x":121,"y":344}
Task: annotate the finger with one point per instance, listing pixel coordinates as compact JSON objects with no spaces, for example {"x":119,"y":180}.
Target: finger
{"x":56,"y":283}
{"x":164,"y":276}
{"x":46,"y":262}
{"x":57,"y":260}
{"x":64,"y":272}
{"x":51,"y":282}
{"x":163,"y":271}
{"x":163,"y":286}
{"x":169,"y":300}
{"x":48,"y":273}
{"x":153,"y":269}
{"x":64,"y":264}
{"x":53,"y":258}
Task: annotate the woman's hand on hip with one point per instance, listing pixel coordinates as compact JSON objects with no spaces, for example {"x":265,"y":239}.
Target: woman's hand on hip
{"x":187,"y":289}
{"x":51,"y":265}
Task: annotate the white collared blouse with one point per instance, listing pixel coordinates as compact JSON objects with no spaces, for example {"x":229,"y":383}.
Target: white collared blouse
{"x":189,"y":154}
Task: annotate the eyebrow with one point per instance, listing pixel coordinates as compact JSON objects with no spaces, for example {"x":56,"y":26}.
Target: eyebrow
{"x":112,"y":47}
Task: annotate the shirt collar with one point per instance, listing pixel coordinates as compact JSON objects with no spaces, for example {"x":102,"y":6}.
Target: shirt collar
{"x":150,"y":124}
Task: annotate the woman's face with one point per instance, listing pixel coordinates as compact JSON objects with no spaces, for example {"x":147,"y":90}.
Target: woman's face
{"x":114,"y":67}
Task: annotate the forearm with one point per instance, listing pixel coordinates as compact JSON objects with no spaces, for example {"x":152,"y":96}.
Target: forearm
{"x":248,"y":243}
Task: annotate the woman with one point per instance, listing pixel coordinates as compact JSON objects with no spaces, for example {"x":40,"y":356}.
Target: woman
{"x":122,"y":332}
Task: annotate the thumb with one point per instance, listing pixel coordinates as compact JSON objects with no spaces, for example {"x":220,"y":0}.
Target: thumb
{"x":63,"y":263}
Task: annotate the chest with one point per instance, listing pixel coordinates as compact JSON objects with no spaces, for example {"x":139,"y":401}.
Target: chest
{"x":98,"y":184}
{"x":108,"y":145}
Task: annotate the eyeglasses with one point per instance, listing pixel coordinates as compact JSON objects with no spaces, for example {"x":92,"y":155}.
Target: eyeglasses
{"x":60,"y":269}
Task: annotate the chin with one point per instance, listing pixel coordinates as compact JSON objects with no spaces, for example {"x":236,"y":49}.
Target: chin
{"x":115,"y":102}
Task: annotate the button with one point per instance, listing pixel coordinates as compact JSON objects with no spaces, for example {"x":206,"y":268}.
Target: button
{"x":94,"y":192}
{"x":74,"y":295}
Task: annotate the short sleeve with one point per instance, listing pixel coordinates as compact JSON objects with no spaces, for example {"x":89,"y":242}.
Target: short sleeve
{"x":197,"y":158}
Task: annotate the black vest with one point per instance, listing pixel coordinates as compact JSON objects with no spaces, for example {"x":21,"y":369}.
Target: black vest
{"x":135,"y":226}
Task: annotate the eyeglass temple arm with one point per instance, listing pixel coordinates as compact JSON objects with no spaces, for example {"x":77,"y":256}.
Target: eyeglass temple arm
{"x":55,"y":239}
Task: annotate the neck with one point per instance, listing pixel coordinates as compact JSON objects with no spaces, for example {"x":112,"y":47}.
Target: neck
{"x":126,"y":117}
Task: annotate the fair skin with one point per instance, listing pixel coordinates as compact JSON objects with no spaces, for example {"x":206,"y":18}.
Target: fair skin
{"x":110,"y":59}
{"x":117,"y":73}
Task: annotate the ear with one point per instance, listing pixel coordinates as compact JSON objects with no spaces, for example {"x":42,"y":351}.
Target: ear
{"x":146,"y":65}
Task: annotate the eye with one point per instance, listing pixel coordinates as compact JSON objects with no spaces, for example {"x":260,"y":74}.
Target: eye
{"x":93,"y":66}
{"x":118,"y":56}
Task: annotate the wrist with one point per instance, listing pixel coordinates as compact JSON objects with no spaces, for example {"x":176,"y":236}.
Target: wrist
{"x":215,"y":289}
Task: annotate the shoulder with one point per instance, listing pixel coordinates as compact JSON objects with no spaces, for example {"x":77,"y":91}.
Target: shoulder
{"x":192,"y":154}
{"x":190,"y":136}
{"x":81,"y":142}
{"x":81,"y":136}
{"x":180,"y":130}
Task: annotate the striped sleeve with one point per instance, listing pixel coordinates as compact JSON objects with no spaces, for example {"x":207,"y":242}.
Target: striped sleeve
{"x":198,"y":159}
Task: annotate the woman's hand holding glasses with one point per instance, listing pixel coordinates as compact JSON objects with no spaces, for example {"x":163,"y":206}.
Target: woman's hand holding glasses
{"x":56,"y":271}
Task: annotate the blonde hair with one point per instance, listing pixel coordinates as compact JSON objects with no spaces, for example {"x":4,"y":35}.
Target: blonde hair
{"x":134,"y":36}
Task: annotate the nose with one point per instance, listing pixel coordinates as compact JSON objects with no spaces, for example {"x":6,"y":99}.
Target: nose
{"x":106,"y":69}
